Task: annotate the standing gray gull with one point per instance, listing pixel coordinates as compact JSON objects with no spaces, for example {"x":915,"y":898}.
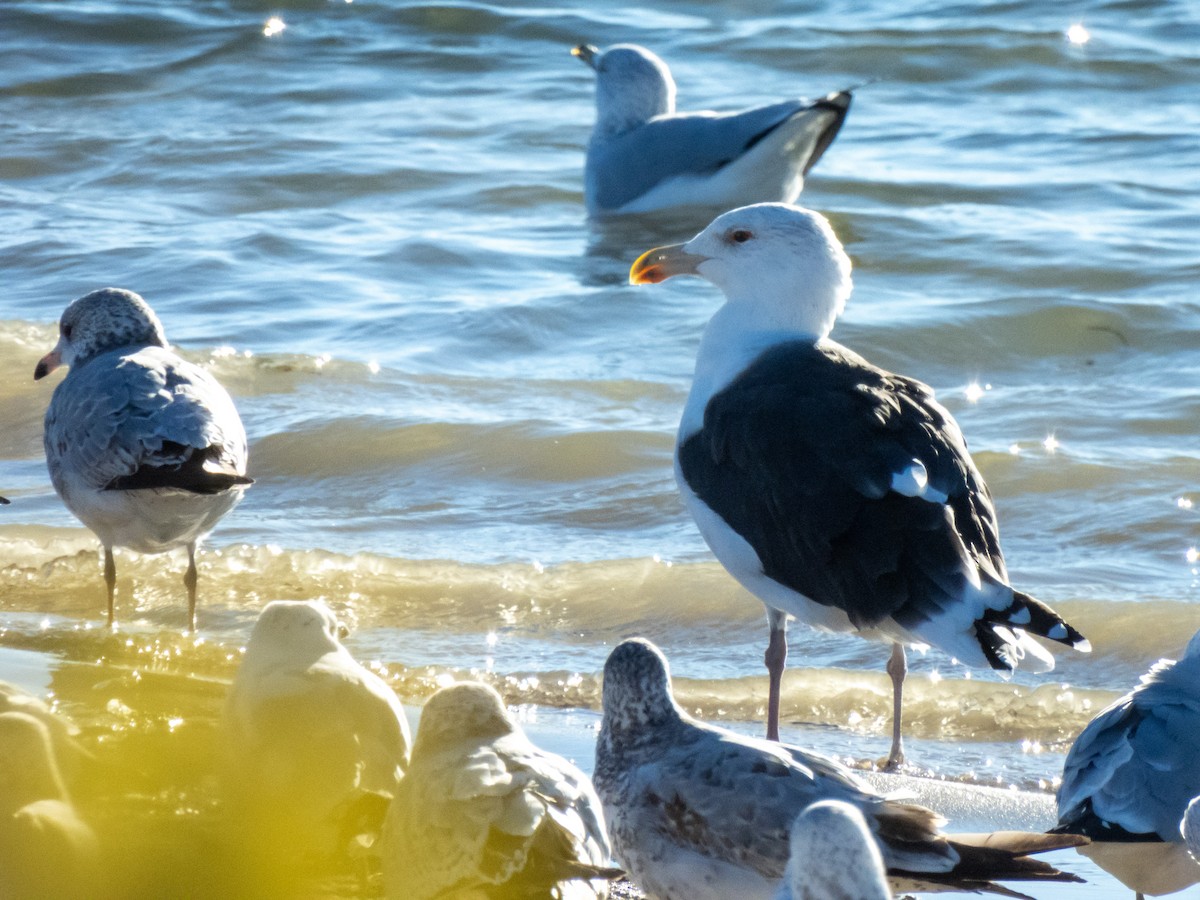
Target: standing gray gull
{"x":834,"y":491}
{"x":46,"y":849}
{"x":697,"y":812}
{"x":485,"y":813}
{"x":1131,"y":774}
{"x":315,"y":743}
{"x":645,"y":156}
{"x":833,"y":856}
{"x":144,"y":447}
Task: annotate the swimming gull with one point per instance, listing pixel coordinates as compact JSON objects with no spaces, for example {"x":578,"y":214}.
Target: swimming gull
{"x":315,"y":743}
{"x":833,"y":490}
{"x":697,"y":812}
{"x":833,"y":856}
{"x":484,"y":812}
{"x":1130,"y":775}
{"x":46,"y":849}
{"x":144,"y":447}
{"x":643,"y":155}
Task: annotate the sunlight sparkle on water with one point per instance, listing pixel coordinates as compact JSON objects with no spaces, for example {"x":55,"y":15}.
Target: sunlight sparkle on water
{"x":1078,"y":35}
{"x":273,"y":26}
{"x":1193,"y":555}
{"x":1184,"y":503}
{"x":975,"y":391}
{"x":1051,"y":444}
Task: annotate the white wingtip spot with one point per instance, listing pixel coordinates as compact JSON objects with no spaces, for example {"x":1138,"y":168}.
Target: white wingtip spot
{"x":914,"y":482}
{"x":1083,"y":646}
{"x":1058,"y":632}
{"x":1020,"y":617}
{"x":911,"y":482}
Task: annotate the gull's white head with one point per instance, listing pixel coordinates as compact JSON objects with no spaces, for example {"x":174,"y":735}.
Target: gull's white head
{"x":460,"y":712}
{"x":107,"y":319}
{"x":632,"y":86}
{"x":834,"y":856}
{"x":781,"y":265}
{"x":295,"y":630}
{"x":30,"y":770}
{"x":637,"y":689}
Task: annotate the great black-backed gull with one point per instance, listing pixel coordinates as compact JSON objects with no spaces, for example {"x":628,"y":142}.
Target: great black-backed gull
{"x":833,"y":490}
{"x":1131,"y":774}
{"x":314,"y":744}
{"x":697,"y":812}
{"x":645,"y":156}
{"x":483,"y":812}
{"x":144,"y":447}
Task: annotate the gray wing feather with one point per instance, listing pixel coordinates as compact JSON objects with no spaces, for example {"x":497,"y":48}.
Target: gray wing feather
{"x":115,"y":413}
{"x":1137,"y":760}
{"x":620,"y":169}
{"x":753,"y":795}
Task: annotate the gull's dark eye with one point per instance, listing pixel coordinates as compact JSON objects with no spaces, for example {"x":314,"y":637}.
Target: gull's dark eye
{"x":740,"y":235}
{"x":66,"y":331}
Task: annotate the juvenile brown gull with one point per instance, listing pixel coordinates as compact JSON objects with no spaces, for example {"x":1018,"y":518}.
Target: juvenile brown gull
{"x":483,"y":812}
{"x":697,"y":812}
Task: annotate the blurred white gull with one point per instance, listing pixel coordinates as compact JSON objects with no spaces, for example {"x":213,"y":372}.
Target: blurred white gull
{"x":834,"y":491}
{"x":833,"y":856}
{"x":68,"y":754}
{"x":644,"y":156}
{"x":485,"y":813}
{"x":144,"y":447}
{"x":46,"y":849}
{"x":316,"y":743}
{"x":1131,"y":774}
{"x":697,"y":812}
{"x":1190,"y":828}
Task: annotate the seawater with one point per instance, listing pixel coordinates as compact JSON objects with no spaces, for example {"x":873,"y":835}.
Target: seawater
{"x":369,"y":225}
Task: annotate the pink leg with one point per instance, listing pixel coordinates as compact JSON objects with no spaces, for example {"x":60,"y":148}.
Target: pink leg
{"x":775,"y":659}
{"x":189,"y":581}
{"x":110,"y":581}
{"x":897,"y":668}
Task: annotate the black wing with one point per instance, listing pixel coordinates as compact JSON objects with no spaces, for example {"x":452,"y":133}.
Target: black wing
{"x":798,"y":455}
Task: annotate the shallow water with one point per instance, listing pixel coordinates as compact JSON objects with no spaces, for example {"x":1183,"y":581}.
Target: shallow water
{"x":370,"y":226}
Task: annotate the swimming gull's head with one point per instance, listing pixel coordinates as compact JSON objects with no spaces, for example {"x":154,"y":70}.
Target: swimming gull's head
{"x":632,"y":86}
{"x":103,"y":320}
{"x":780,"y":265}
